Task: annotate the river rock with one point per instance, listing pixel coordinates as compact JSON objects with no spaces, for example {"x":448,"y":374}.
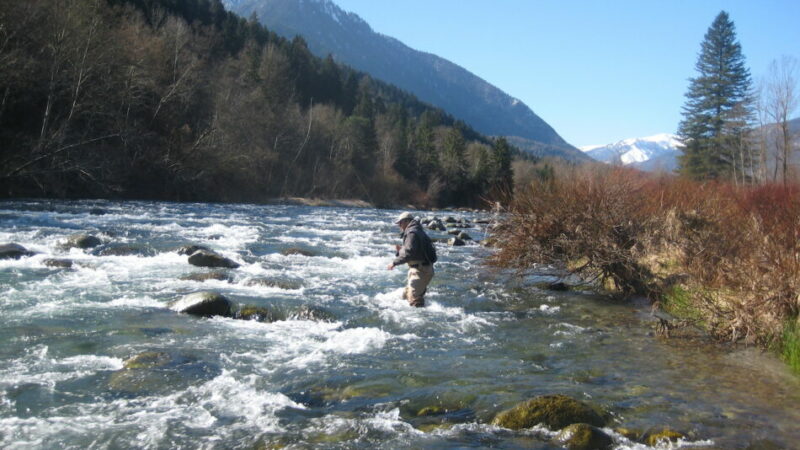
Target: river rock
{"x":581,"y":436}
{"x":205,"y":276}
{"x":147,"y":360}
{"x":454,"y":232}
{"x":160,"y":372}
{"x":557,"y":286}
{"x":315,"y":313}
{"x":82,"y":241}
{"x":203,"y":304}
{"x":464,"y":236}
{"x":455,"y":242}
{"x":13,"y":251}
{"x":204,"y":258}
{"x":58,"y":263}
{"x":257,"y":313}
{"x":490,"y":242}
{"x":189,"y":249}
{"x":124,"y":250}
{"x":436,"y":225}
{"x":297,"y":251}
{"x":654,"y":436}
{"x":450,"y":219}
{"x":272,"y":282}
{"x":555,"y":411}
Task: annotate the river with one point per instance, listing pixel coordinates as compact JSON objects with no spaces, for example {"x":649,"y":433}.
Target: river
{"x":356,"y":380}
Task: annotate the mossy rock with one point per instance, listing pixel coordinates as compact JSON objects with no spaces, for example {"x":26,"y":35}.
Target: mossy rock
{"x":629,"y":433}
{"x":431,"y":427}
{"x":205,"y":276}
{"x":555,"y":411}
{"x":297,"y":251}
{"x":147,"y":360}
{"x":431,"y":411}
{"x":582,"y":436}
{"x":288,"y":285}
{"x":654,"y":436}
{"x":257,"y":313}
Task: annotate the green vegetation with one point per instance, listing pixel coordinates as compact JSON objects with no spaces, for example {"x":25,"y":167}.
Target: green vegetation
{"x":718,"y":109}
{"x":790,"y":344}
{"x":678,"y":300}
{"x":186,"y":101}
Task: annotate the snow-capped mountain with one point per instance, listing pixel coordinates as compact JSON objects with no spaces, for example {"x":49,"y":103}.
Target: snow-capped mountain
{"x":657,"y":152}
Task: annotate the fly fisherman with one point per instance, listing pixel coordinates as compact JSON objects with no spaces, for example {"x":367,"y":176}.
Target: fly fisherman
{"x":418,"y":252}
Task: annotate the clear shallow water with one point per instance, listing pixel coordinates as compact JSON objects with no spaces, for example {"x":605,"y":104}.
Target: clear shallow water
{"x":483,"y":344}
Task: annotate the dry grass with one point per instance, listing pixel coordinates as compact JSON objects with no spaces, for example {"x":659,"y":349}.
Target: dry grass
{"x":734,"y":252}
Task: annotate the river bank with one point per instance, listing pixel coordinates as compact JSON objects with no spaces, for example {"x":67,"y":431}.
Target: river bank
{"x":716,"y":256}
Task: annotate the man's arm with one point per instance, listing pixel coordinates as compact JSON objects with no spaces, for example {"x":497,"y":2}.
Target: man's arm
{"x":407,"y":250}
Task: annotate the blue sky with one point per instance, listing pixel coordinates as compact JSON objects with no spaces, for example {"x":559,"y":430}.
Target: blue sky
{"x":597,"y":71}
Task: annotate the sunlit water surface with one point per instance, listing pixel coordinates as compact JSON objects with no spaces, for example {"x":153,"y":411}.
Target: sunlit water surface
{"x":359,"y":380}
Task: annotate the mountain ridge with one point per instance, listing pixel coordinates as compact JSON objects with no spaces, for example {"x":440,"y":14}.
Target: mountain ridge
{"x":327,"y":29}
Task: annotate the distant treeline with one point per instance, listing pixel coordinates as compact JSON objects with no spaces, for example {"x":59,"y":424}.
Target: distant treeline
{"x":182,"y":100}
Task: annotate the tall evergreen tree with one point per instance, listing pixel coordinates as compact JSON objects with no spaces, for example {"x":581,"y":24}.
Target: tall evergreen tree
{"x":718,"y":105}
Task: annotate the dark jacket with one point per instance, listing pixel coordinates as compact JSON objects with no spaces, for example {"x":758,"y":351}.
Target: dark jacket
{"x":417,"y":246}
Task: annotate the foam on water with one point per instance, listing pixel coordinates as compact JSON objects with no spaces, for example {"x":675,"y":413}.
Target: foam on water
{"x":481,"y":340}
{"x":37,"y":367}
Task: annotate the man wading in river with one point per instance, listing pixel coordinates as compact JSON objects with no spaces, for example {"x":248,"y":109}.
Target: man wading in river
{"x":418,"y":252}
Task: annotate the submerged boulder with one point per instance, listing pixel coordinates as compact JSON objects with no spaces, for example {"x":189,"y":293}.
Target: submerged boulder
{"x":205,"y":276}
{"x":257,"y":313}
{"x":554,"y":411}
{"x":58,"y":263}
{"x":661,"y":435}
{"x":203,"y":304}
{"x":206,"y":258}
{"x":315,"y":313}
{"x":124,"y":250}
{"x":13,"y":251}
{"x":147,"y":360}
{"x":160,"y":372}
{"x":273,"y":282}
{"x":297,"y":251}
{"x":582,"y":436}
{"x":82,"y":241}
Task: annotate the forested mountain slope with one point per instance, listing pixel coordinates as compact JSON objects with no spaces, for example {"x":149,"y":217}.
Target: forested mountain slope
{"x":186,"y":101}
{"x":330,"y":30}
